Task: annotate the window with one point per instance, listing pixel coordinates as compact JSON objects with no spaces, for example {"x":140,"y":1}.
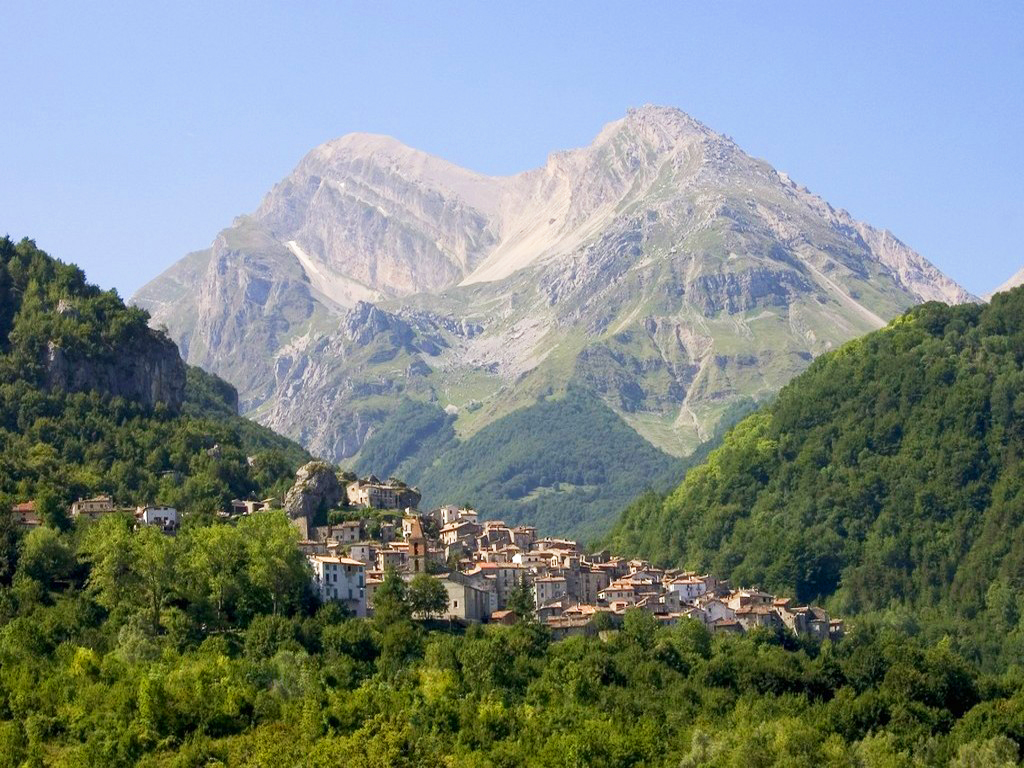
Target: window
{"x":455,"y":603}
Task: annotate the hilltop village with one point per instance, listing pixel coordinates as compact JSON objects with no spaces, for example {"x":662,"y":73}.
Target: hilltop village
{"x":376,"y":526}
{"x":482,"y":563}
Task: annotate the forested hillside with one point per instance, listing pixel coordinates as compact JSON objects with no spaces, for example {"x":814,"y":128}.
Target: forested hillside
{"x":122,"y":646}
{"x":888,"y":478}
{"x":94,"y":401}
{"x":566,"y":465}
{"x":325,"y":690}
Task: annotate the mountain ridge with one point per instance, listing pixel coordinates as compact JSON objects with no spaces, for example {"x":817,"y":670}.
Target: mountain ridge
{"x":1016,"y":280}
{"x":661,"y":269}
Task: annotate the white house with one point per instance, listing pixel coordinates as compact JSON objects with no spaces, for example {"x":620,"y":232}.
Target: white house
{"x":165,"y":517}
{"x":716,"y":610}
{"x":364,"y":552}
{"x":342,"y":579}
{"x":688,"y":588}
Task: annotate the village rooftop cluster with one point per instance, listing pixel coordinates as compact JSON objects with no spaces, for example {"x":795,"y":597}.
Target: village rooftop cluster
{"x":480,"y":563}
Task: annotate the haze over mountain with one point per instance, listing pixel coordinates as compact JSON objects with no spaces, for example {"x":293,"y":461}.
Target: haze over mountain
{"x":660,"y":271}
{"x":1013,"y":282}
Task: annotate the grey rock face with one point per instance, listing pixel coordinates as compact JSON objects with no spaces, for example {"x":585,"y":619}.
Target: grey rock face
{"x":660,"y":267}
{"x":365,"y":321}
{"x":149,"y":371}
{"x":316,"y":487}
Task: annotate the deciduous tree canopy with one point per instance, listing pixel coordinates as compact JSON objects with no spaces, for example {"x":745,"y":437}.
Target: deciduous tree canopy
{"x":887,"y":477}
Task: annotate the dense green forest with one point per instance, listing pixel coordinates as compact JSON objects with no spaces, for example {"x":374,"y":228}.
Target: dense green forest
{"x":407,"y":443}
{"x":58,"y":445}
{"x":510,"y":469}
{"x":122,"y":647}
{"x":887,"y":478}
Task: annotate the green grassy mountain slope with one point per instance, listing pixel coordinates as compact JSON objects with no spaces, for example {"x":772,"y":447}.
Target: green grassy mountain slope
{"x":888,"y":477}
{"x":566,"y":465}
{"x":94,"y":401}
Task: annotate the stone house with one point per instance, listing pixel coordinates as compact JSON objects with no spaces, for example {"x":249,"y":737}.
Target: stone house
{"x":365,"y":552}
{"x":93,"y":508}
{"x":754,"y":616}
{"x":24,"y":515}
{"x":374,"y":494}
{"x":744,"y":597}
{"x":524,"y":536}
{"x":350,"y":531}
{"x":465,"y":601}
{"x":725,"y":625}
{"x":390,"y":559}
{"x":618,"y":591}
{"x":506,"y":577}
{"x":459,"y":532}
{"x":532,"y":559}
{"x":549,"y":588}
{"x":588,"y":584}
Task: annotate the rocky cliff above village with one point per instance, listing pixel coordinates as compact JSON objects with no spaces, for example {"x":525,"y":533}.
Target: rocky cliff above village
{"x":149,"y":371}
{"x":661,"y":270}
{"x":316,"y":489}
{"x":68,"y":336}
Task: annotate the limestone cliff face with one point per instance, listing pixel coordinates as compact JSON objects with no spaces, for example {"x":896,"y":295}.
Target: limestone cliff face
{"x":316,"y":487}
{"x":661,"y":267}
{"x":148,"y":371}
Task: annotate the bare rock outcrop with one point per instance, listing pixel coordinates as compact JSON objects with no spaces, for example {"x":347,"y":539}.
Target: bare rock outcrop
{"x":148,"y":371}
{"x":316,"y":488}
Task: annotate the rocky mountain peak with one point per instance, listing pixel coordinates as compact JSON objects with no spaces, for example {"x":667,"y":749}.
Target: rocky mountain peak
{"x":666,"y":122}
{"x":661,"y":268}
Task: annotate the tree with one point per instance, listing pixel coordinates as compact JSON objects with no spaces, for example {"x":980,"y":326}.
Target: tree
{"x":391,"y":601}
{"x":266,"y":635}
{"x":47,"y":557}
{"x":156,"y":566}
{"x":639,"y":626}
{"x":50,"y":510}
{"x":217,"y":564}
{"x":274,"y":562}
{"x":107,"y":548}
{"x":427,"y":596}
{"x":8,"y":546}
{"x":521,"y":601}
{"x":131,"y":570}
{"x":602,"y":621}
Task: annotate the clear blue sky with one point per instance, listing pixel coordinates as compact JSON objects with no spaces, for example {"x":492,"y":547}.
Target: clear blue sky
{"x":130,"y":134}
